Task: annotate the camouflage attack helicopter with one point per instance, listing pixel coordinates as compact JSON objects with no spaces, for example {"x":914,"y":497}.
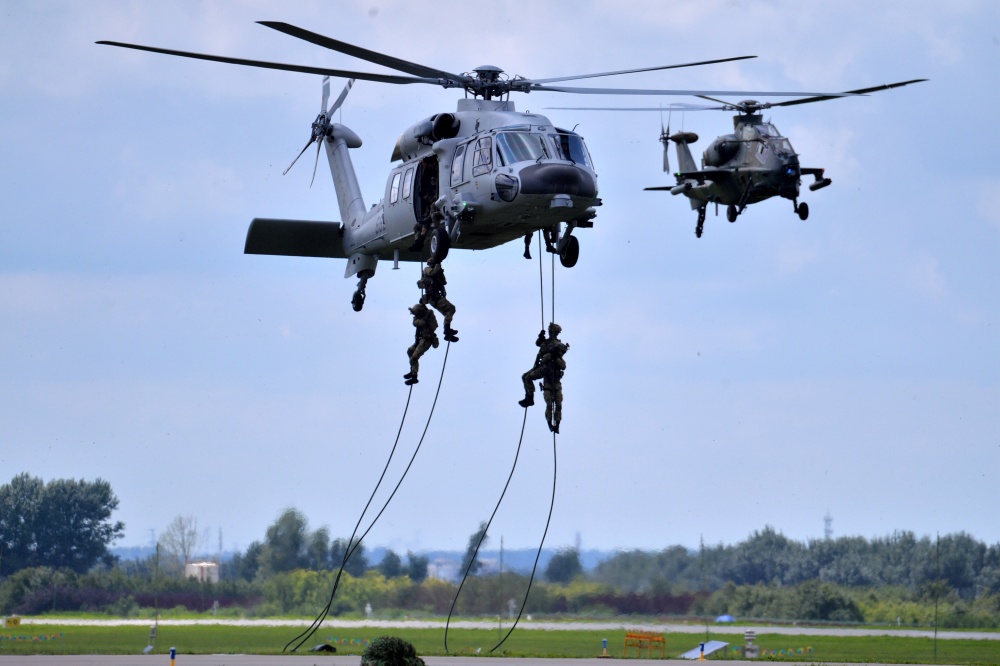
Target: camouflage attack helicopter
{"x":473,"y":179}
{"x":752,"y":164}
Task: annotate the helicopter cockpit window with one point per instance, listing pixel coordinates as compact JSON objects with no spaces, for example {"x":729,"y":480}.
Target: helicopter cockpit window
{"x":515,"y":147}
{"x":570,"y":147}
{"x":783,"y":145}
{"x":394,"y":190}
{"x":482,"y":156}
{"x":767,"y":129}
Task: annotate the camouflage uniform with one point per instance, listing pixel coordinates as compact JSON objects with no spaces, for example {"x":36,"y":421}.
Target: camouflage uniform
{"x":432,"y":281}
{"x":425,"y":337}
{"x":549,"y":367}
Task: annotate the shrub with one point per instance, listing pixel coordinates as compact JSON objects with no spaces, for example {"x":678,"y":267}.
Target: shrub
{"x":390,"y":651}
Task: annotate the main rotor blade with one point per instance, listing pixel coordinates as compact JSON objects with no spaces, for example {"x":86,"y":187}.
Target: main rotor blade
{"x":680,"y":106}
{"x":693,"y":93}
{"x":363,"y":54}
{"x":633,"y":71}
{"x":344,"y":74}
{"x":860,"y":91}
{"x":712,"y":99}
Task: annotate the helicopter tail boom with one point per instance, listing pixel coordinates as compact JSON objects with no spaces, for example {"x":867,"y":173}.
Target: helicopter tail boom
{"x":685,"y":160}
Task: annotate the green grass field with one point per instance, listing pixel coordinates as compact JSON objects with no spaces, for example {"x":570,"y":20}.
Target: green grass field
{"x":216,"y":639}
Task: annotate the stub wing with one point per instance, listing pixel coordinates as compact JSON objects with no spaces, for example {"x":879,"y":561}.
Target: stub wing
{"x":684,"y":177}
{"x":707,"y":174}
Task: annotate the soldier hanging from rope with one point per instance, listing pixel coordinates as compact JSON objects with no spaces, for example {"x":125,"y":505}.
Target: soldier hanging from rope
{"x":547,"y":234}
{"x":425,"y":337}
{"x":432,"y":281}
{"x":549,"y":367}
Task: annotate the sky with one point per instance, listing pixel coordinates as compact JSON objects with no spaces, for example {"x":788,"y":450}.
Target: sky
{"x":771,"y":373}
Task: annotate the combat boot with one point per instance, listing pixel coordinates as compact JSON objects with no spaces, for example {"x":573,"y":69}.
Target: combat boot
{"x":449,"y":335}
{"x":412,"y":380}
{"x":528,"y":401}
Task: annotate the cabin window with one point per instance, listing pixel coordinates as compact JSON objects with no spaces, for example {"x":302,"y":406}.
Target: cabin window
{"x":394,"y":190}
{"x":513,"y":147}
{"x":407,"y":183}
{"x":482,"y":157}
{"x":458,"y":165}
{"x":570,"y":147}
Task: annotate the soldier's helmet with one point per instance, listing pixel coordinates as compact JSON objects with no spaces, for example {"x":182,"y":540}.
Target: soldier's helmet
{"x":419,"y":308}
{"x":555,"y":329}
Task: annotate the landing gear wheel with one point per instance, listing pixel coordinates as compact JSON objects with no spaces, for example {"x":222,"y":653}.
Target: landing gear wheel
{"x":440,"y":244}
{"x":358,"y":300}
{"x":803,"y":210}
{"x":732,"y":213}
{"x":570,"y":253}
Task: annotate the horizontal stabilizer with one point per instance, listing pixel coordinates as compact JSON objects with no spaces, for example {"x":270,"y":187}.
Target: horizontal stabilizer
{"x":295,"y":238}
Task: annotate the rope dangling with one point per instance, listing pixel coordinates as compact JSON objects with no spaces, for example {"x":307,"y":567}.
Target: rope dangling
{"x":352,"y":545}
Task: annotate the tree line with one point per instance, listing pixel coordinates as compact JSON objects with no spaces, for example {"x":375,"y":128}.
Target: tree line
{"x":969,"y":567}
{"x":53,"y":556}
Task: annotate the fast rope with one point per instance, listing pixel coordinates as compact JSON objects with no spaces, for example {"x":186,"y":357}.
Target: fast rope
{"x":534,"y":568}
{"x":482,"y":537}
{"x":552,"y":501}
{"x":351,"y":544}
{"x":541,"y":282}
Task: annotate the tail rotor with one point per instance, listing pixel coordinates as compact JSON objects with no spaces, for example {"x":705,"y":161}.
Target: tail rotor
{"x":321,"y":126}
{"x":665,"y":140}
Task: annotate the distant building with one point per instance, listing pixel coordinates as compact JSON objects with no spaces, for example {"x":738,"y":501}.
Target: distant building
{"x":205,"y":572}
{"x":443,"y":569}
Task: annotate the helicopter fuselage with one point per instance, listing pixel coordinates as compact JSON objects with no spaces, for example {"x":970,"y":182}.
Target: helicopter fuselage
{"x":492,"y":175}
{"x":752,"y":164}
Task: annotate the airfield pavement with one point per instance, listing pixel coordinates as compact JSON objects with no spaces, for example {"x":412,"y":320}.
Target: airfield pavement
{"x":301,"y":660}
{"x":550,"y":626}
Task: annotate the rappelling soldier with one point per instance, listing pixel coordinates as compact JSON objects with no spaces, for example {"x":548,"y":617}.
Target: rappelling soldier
{"x":432,"y":281}
{"x":428,"y":215}
{"x":425,"y":337}
{"x":549,"y":367}
{"x":548,"y":235}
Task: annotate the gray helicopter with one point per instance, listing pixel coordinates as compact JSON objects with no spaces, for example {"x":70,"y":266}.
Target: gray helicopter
{"x":752,"y":164}
{"x":473,"y":179}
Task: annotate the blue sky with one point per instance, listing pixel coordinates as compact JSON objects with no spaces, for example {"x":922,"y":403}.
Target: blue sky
{"x":766,"y":374}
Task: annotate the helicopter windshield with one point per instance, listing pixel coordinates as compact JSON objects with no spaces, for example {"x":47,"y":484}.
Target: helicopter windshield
{"x":520,"y":147}
{"x":570,"y":147}
{"x":783,"y":145}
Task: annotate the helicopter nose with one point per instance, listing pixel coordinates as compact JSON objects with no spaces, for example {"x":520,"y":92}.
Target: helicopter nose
{"x":557,"y":179}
